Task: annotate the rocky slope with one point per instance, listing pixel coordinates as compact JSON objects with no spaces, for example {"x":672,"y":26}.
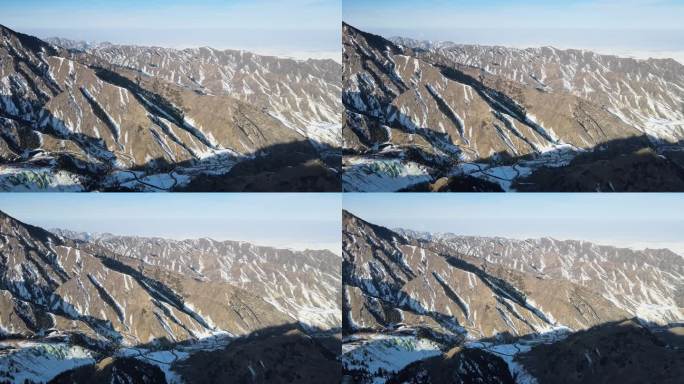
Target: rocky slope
{"x":304,"y":95}
{"x":410,"y":296}
{"x":645,"y":283}
{"x":447,"y":117}
{"x":70,"y":303}
{"x":50,"y":283}
{"x":391,"y":278}
{"x":646,"y":94}
{"x":72,"y":119}
{"x":303,"y":284}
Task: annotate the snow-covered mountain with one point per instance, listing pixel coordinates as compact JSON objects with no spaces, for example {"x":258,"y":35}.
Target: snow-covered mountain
{"x":132,"y":118}
{"x":303,"y":95}
{"x":441,"y":116}
{"x":644,"y":283}
{"x":52,"y":283}
{"x":68,"y":303}
{"x":303,"y":284}
{"x":645,"y":94}
{"x":411,"y":296}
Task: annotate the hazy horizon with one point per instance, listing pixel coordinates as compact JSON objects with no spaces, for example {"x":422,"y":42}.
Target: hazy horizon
{"x":269,"y":27}
{"x":631,"y":28}
{"x":282,"y":220}
{"x":642,"y":44}
{"x":318,"y":43}
{"x":636,"y":221}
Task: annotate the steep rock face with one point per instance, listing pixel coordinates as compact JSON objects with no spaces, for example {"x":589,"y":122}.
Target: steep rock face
{"x":456,"y":367}
{"x":439,"y":308}
{"x":646,"y":94}
{"x":303,"y":284}
{"x":113,"y":371}
{"x":644,"y":283}
{"x":453,"y":293}
{"x":415,"y":115}
{"x":72,"y":120}
{"x":304,"y":95}
{"x":53,"y":285}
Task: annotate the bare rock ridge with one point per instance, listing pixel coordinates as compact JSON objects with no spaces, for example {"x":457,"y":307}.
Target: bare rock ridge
{"x":444,"y":300}
{"x":53,"y":283}
{"x":303,"y":284}
{"x":68,"y":303}
{"x":443,"y":116}
{"x":302,"y":94}
{"x":644,"y":283}
{"x":139,"y":118}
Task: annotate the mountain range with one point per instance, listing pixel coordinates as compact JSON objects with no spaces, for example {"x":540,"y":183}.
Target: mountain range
{"x":107,"y":308}
{"x":77,"y":116}
{"x":443,"y":308}
{"x":426,"y":116}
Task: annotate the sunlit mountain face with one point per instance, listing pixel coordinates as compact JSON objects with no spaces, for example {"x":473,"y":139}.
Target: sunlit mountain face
{"x":83,"y":308}
{"x":104,"y":117}
{"x":420,"y":307}
{"x":442,"y":116}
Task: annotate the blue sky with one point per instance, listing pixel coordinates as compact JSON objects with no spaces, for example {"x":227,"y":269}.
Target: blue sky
{"x":631,"y":220}
{"x":284,"y":220}
{"x":601,"y":14}
{"x":173,"y":14}
{"x":638,"y":28}
{"x":296,"y":25}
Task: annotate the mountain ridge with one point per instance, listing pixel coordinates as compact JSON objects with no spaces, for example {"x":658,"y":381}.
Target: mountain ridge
{"x":477,"y":118}
{"x":416,"y":306}
{"x":527,"y":239}
{"x":427,"y":44}
{"x":74,"y":310}
{"x":74,"y":120}
{"x":84,"y":236}
{"x":68,"y":43}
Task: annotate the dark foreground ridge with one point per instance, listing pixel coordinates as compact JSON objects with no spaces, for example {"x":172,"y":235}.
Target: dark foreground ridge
{"x":280,"y":354}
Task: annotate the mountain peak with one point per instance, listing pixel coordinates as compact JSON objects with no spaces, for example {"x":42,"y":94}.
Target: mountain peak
{"x":29,"y":42}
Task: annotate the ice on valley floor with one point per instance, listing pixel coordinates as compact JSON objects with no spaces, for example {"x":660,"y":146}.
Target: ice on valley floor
{"x":37,"y":179}
{"x":29,"y":178}
{"x":164,"y":359}
{"x":374,"y":175}
{"x":138,"y":180}
{"x":504,"y":175}
{"x":39,"y":362}
{"x":382,"y":175}
{"x":387,"y":353}
{"x":218,"y":163}
{"x":508,"y":352}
